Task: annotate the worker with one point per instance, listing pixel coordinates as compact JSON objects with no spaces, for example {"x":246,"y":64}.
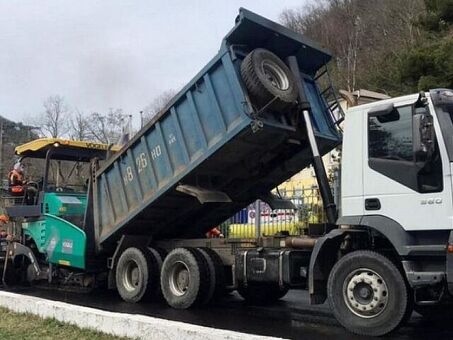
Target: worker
{"x":3,"y":233}
{"x":18,"y":186}
{"x":214,"y":233}
{"x":16,"y":179}
{"x":3,"y":219}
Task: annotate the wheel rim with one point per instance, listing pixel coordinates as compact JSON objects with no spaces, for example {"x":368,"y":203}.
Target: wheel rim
{"x":131,"y":276}
{"x":365,"y":293}
{"x":276,"y":75}
{"x":179,"y":279}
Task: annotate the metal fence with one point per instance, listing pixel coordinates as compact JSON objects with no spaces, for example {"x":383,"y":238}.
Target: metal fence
{"x":308,"y":211}
{"x":6,"y":200}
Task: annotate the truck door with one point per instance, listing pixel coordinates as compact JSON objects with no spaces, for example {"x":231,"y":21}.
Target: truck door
{"x":397,"y":184}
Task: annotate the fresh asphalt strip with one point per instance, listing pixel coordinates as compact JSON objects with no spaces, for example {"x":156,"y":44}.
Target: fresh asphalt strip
{"x":120,"y":324}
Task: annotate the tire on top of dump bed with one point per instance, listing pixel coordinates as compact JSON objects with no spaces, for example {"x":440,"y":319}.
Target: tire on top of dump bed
{"x":267,"y":78}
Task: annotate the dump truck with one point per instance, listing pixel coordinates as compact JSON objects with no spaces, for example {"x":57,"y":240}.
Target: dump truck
{"x":255,"y":115}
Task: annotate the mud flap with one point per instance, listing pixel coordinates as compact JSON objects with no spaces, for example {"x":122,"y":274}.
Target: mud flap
{"x":322,"y":260}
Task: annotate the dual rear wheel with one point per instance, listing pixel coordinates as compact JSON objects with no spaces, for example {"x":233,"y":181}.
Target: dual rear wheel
{"x":367,"y":292}
{"x":187,"y":277}
{"x":137,"y":274}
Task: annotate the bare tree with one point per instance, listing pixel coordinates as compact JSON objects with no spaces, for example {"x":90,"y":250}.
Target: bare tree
{"x":157,"y":104}
{"x":53,"y":122}
{"x":336,"y":24}
{"x":107,"y":128}
{"x":78,"y":130}
{"x":360,"y":33}
{"x":79,"y":126}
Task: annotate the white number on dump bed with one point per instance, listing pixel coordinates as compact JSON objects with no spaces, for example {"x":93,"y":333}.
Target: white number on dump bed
{"x":141,"y":163}
{"x":128,"y":176}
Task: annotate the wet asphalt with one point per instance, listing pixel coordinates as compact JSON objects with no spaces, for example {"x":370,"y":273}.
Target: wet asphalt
{"x":291,"y":318}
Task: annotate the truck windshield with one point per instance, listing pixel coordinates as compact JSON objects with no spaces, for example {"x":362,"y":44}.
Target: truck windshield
{"x":442,"y":100}
{"x":449,"y":110}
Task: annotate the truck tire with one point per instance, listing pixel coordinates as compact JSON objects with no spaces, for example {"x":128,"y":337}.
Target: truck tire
{"x":137,"y":274}
{"x":267,"y":77}
{"x":159,"y":255}
{"x":261,"y":294}
{"x":217,"y":274}
{"x":368,"y":294}
{"x":185,"y":278}
{"x":212,"y":274}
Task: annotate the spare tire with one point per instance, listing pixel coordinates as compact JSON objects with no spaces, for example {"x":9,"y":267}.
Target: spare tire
{"x":268,"y":79}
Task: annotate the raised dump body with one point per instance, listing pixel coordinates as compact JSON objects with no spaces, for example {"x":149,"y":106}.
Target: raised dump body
{"x":212,"y":144}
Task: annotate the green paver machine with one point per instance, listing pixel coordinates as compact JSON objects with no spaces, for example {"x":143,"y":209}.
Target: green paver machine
{"x":49,"y":228}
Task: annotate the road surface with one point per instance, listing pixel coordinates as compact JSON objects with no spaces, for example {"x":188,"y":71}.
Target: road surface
{"x":292,"y":317}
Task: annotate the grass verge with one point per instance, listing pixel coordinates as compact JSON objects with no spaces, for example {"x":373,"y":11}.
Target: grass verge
{"x":30,"y":327}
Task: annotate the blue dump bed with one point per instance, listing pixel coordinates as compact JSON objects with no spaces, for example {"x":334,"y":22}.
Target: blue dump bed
{"x":209,"y":145}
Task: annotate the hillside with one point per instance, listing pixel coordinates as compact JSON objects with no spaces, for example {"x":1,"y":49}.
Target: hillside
{"x":11,"y":135}
{"x":388,"y":46}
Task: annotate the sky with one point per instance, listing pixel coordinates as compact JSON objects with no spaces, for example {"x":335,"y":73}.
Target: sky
{"x":109,"y":54}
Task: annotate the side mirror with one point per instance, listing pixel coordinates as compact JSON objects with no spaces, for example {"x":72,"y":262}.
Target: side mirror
{"x":423,"y":137}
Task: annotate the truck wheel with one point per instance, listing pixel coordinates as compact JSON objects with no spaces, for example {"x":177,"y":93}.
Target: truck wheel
{"x":185,"y":278}
{"x":158,"y":255}
{"x":217,"y":275}
{"x":267,"y":77}
{"x":260,"y":294}
{"x":367,"y":293}
{"x":136,"y":274}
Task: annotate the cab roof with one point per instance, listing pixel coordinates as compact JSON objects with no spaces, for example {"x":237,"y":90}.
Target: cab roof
{"x":65,"y":149}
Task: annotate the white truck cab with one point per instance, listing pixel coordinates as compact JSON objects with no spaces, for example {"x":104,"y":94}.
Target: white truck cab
{"x":382,"y":172}
{"x":393,"y":248}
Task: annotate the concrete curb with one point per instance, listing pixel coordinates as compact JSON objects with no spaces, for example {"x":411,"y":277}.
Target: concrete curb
{"x":119,"y":324}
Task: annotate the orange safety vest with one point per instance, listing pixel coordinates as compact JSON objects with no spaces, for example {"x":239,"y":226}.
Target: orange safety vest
{"x":16,"y":180}
{"x":4,"y":218}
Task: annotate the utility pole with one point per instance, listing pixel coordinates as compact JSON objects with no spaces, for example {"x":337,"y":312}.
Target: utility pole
{"x":257,"y":218}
